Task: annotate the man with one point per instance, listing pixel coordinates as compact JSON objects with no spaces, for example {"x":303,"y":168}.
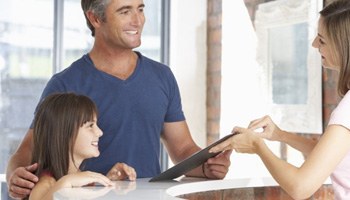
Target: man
{"x":138,"y":101}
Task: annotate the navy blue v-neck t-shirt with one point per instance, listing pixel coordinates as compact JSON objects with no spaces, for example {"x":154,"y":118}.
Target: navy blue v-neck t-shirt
{"x":132,"y":112}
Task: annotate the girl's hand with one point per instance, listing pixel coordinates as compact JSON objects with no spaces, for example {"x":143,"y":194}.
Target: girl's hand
{"x":121,"y":171}
{"x":270,"y":130}
{"x":84,"y":178}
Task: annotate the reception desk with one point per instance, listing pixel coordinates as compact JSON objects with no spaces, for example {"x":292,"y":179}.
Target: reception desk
{"x":186,"y":188}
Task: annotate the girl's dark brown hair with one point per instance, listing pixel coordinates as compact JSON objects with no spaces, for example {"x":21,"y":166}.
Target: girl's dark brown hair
{"x":56,"y":124}
{"x":336,"y":21}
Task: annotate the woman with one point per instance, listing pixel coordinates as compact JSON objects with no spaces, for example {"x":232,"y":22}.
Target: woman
{"x":330,"y":156}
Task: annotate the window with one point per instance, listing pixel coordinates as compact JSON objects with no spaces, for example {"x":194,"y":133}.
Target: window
{"x":30,"y":40}
{"x":271,"y":55}
{"x":25,"y":66}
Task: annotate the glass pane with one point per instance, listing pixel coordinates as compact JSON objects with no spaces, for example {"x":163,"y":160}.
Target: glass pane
{"x":25,"y":66}
{"x":151,"y":38}
{"x":76,"y":34}
{"x":289,"y":67}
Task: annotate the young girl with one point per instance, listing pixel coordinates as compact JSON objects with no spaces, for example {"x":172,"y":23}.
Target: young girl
{"x":66,"y":133}
{"x":330,"y":156}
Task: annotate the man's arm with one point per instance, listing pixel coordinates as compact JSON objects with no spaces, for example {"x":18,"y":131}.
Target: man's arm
{"x":19,"y":173}
{"x":177,"y":139}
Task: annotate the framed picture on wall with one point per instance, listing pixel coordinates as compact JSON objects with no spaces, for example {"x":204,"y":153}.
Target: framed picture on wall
{"x":291,"y":66}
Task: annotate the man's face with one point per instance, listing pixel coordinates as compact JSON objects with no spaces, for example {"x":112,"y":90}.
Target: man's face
{"x":124,"y":23}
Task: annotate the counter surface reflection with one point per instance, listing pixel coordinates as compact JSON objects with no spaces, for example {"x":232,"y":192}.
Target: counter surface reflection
{"x":170,"y":190}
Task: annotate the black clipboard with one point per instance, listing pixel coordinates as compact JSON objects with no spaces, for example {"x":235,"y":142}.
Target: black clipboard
{"x":189,"y":163}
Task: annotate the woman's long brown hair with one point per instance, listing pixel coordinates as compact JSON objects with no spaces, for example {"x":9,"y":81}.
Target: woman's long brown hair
{"x":336,"y":20}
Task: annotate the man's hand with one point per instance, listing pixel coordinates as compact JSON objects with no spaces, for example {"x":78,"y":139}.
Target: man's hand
{"x":218,"y":166}
{"x":22,"y":181}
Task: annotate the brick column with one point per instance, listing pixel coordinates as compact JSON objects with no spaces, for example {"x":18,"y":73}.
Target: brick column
{"x":213,"y":69}
{"x":330,"y":95}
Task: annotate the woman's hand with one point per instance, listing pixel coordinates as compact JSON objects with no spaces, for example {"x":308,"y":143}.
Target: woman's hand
{"x":246,"y":141}
{"x":270,"y":130}
{"x":121,"y":171}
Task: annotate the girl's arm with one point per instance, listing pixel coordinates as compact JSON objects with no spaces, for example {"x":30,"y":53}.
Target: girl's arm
{"x":47,"y":185}
{"x":42,"y":187}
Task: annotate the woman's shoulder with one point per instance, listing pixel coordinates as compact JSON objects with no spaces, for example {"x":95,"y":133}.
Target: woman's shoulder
{"x":344,"y":104}
{"x":341,"y":113}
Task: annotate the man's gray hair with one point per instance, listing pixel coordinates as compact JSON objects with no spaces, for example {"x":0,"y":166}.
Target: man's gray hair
{"x":98,"y":7}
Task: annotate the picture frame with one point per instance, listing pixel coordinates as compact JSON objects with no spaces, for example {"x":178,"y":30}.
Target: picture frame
{"x":292,"y":68}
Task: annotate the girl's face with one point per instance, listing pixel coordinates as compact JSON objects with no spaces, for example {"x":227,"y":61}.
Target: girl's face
{"x":322,"y":43}
{"x":86,"y":143}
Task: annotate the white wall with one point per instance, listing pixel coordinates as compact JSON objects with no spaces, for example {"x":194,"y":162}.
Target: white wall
{"x":188,"y":61}
{"x":240,"y":89}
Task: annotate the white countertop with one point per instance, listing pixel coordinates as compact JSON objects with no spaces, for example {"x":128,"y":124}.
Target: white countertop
{"x":142,"y":189}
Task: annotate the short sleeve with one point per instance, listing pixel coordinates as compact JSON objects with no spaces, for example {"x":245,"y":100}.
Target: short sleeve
{"x":174,"y":112}
{"x":53,"y":86}
{"x":341,"y":114}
